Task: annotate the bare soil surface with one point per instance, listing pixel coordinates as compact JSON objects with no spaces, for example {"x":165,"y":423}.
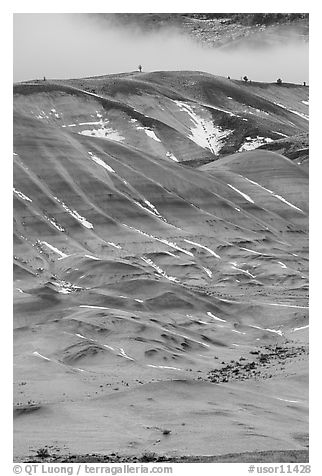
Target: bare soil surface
{"x":290,"y":456}
{"x":159,"y":308}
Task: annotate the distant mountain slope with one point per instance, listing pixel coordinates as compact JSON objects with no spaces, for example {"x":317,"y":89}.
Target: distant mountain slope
{"x":223,"y":30}
{"x":196,"y":112}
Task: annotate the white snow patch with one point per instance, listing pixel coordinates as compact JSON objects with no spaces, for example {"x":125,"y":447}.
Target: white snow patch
{"x":93,"y":307}
{"x":89,"y":123}
{"x":222,"y":110}
{"x":64,"y":287}
{"x":93,"y":340}
{"x":108,"y":346}
{"x":300,"y":328}
{"x":186,"y":337}
{"x":53,"y":111}
{"x":163,"y":367}
{"x":174,"y":245}
{"x":149,"y":132}
{"x":171,"y":156}
{"x":280,"y":134}
{"x":207,"y":270}
{"x":245,"y":271}
{"x":103,"y":132}
{"x":161,"y":240}
{"x":41,"y":356}
{"x":114,"y":245}
{"x":254,"y":142}
{"x":304,"y":116}
{"x":283,"y":265}
{"x":171,"y":254}
{"x":55,"y":223}
{"x":81,"y":219}
{"x":288,"y":401}
{"x":215,"y":317}
{"x":287,"y":203}
{"x":283,"y":305}
{"x":261,"y":111}
{"x":204,"y":132}
{"x":241,"y":193}
{"x":92,"y":257}
{"x":159,"y":270}
{"x":251,"y":251}
{"x":151,"y":209}
{"x":149,"y":204}
{"x":80,"y":335}
{"x":99,"y":161}
{"x":123,"y":354}
{"x":275,"y":331}
{"x":55,"y":250}
{"x":204,"y":247}
{"x":279,"y":197}
{"x":22,"y":195}
{"x":75,"y":215}
{"x":64,"y":291}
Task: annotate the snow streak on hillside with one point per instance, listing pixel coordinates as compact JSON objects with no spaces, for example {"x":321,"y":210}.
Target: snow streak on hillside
{"x":204,"y":132}
{"x":159,"y":269}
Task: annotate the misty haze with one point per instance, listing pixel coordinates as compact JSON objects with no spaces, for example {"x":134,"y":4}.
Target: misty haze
{"x":56,"y":45}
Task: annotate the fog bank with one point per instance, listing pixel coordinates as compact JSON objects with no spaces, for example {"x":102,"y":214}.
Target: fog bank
{"x":78,"y":45}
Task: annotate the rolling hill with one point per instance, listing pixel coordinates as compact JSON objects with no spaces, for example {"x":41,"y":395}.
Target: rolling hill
{"x":160,"y":265}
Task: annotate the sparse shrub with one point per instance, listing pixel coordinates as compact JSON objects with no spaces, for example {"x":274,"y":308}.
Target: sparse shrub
{"x":245,"y":78}
{"x":279,"y":81}
{"x":42,"y":453}
{"x":148,"y":456}
{"x":166,"y":432}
